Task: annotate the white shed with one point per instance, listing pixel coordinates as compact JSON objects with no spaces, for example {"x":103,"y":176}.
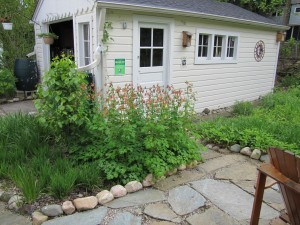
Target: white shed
{"x":228,"y":53}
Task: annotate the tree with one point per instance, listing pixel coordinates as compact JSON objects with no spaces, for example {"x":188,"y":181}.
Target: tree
{"x":263,"y":7}
{"x":18,"y":42}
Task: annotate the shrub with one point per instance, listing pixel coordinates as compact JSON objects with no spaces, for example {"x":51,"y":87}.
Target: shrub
{"x":7,"y":83}
{"x":141,"y":131}
{"x":63,"y":101}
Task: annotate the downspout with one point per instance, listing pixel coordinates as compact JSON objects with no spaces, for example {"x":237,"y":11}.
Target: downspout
{"x":276,"y":63}
{"x":99,"y":57}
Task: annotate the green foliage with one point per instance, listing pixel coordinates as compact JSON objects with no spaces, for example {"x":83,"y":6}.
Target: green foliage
{"x":27,"y":182}
{"x":64,"y":103}
{"x":141,"y":131}
{"x":88,"y":176}
{"x":242,"y":108}
{"x":19,"y":41}
{"x":264,"y":7}
{"x":276,"y":122}
{"x":287,"y":49}
{"x":106,"y":36}
{"x":62,"y":181}
{"x":7,"y":83}
{"x":52,"y":35}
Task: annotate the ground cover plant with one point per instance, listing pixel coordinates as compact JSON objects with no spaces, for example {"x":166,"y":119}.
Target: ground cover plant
{"x":275,"y":122}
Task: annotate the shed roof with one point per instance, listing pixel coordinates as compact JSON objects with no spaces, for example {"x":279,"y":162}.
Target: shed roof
{"x":200,"y":7}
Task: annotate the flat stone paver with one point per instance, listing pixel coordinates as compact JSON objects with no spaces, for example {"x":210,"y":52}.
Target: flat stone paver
{"x":160,"y":211}
{"x":272,"y":197}
{"x":238,"y":171}
{"x":231,"y":199}
{"x":181,"y":177}
{"x":163,"y":223}
{"x":9,"y":218}
{"x":184,"y":200}
{"x":137,"y":198}
{"x":126,"y":218}
{"x":218,"y":163}
{"x":210,"y":154}
{"x":92,"y":217}
{"x":211,"y":216}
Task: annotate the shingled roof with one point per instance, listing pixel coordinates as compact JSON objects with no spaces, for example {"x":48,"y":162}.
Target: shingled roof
{"x":201,"y":7}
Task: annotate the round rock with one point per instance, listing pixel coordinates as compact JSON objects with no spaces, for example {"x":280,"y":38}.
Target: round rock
{"x":118,"y":191}
{"x":68,"y":207}
{"x":255,"y":154}
{"x":15,"y":202}
{"x":104,"y":197}
{"x":86,"y":203}
{"x":38,"y":218}
{"x":133,"y":186}
{"x":235,"y":148}
{"x":246,"y":151}
{"x":52,"y":210}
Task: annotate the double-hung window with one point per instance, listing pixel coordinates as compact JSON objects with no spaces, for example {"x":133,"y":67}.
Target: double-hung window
{"x":216,"y":47}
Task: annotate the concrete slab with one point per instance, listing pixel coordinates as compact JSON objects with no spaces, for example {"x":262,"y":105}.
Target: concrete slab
{"x":16,"y":107}
{"x":92,"y":217}
{"x":137,"y":198}
{"x":211,"y":216}
{"x":180,"y":178}
{"x":231,"y":199}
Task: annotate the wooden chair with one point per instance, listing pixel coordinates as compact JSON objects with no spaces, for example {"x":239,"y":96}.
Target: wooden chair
{"x":285,"y":169}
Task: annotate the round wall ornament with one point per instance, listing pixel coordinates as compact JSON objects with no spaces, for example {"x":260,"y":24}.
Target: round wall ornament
{"x":259,"y":51}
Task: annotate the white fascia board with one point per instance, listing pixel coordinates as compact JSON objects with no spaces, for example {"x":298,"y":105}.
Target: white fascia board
{"x":191,"y":14}
{"x":37,"y":10}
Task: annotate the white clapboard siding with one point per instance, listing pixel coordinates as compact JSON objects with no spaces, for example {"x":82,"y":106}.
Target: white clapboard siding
{"x":216,"y":85}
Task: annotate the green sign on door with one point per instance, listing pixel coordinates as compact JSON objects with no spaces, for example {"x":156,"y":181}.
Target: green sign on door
{"x":119,"y":66}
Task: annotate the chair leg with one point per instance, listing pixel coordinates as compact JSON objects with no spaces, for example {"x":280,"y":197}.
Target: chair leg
{"x":259,"y":194}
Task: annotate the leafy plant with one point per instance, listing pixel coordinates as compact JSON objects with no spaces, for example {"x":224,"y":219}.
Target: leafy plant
{"x":51,"y":35}
{"x":64,"y":103}
{"x":141,"y":131}
{"x":7,"y":83}
{"x":106,"y":36}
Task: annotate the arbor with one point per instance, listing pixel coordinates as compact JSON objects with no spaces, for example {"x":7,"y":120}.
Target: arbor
{"x":18,"y":42}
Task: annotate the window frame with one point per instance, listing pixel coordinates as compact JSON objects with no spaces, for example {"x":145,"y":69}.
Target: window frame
{"x":210,"y":59}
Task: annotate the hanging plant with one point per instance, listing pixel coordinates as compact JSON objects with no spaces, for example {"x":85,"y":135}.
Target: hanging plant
{"x":48,"y":37}
{"x":6,"y":23}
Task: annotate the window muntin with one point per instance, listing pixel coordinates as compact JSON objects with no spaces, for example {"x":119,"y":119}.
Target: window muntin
{"x":216,"y":47}
{"x":151,"y":47}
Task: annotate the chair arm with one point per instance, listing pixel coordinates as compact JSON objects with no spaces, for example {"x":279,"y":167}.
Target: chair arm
{"x":272,"y":172}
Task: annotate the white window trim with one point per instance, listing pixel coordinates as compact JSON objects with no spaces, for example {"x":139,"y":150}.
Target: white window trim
{"x":216,"y":60}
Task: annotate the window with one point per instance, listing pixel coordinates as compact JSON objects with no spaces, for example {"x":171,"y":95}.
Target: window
{"x":86,"y":44}
{"x":297,"y":9}
{"x":203,"y":45}
{"x":151,"y":47}
{"x":216,"y":47}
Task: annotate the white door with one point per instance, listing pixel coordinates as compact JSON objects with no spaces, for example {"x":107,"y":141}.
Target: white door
{"x":151,"y":54}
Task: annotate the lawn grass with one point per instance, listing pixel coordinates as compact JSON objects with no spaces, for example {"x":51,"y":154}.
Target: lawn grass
{"x":274,"y":122}
{"x":36,"y":163}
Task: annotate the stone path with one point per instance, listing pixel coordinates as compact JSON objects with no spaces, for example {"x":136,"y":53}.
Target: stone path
{"x":15,"y":107}
{"x":217,"y":192}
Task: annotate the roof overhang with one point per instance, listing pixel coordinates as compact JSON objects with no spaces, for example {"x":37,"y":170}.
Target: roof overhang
{"x":37,"y":9}
{"x":115,"y":5}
